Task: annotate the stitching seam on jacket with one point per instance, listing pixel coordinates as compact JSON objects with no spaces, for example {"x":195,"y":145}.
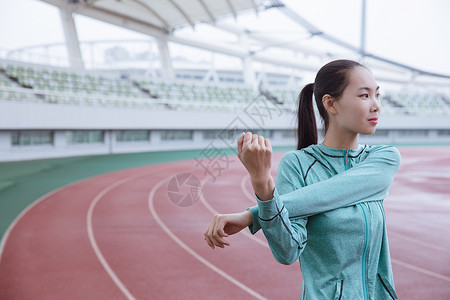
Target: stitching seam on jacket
{"x":287,"y":228}
{"x":385,"y":287}
{"x":342,"y":286}
{"x":304,"y":178}
{"x":365,"y":146}
{"x":318,"y":161}
{"x":329,"y":155}
{"x":267,"y":220}
{"x":340,"y":156}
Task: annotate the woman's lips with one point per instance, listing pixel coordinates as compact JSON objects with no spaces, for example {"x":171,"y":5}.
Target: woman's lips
{"x":373,"y":120}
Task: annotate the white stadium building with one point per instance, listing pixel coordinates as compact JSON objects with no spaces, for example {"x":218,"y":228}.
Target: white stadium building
{"x":181,"y":88}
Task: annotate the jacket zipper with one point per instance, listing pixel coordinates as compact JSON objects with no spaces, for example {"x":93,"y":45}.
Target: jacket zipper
{"x":366,"y":242}
{"x":346,"y":159}
{"x":364,"y":258}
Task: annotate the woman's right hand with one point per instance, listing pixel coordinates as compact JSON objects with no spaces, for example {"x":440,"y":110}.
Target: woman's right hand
{"x":222,"y":226}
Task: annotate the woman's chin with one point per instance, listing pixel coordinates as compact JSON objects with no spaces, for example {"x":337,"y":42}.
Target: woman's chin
{"x":368,"y":131}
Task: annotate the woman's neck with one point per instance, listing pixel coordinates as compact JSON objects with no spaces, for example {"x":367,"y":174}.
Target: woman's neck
{"x":340,"y":140}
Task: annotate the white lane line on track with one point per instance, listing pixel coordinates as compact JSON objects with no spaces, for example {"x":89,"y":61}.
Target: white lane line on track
{"x":215,"y":212}
{"x":244,"y":189}
{"x":93,"y":242}
{"x":422,"y":222}
{"x":24,"y":212}
{"x":190,"y":250}
{"x":417,"y":241}
{"x":420,"y":270}
{"x":415,"y":160}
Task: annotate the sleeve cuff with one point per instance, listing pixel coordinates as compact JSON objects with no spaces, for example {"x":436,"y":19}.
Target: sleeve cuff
{"x":264,"y":210}
{"x":255,"y":226}
{"x":269,"y":209}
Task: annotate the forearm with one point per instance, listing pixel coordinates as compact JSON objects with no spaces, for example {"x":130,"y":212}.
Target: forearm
{"x":263,"y":187}
{"x":368,"y":181}
{"x":336,"y":192}
{"x":286,"y":236}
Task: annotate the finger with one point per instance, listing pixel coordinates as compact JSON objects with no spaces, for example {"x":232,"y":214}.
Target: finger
{"x":261,"y":141}
{"x":212,"y":233}
{"x":222,"y":233}
{"x":221,"y":242}
{"x":240,"y":142}
{"x":210,"y":236}
{"x":207,"y":239}
{"x":213,"y":241}
{"x":254,"y":138}
{"x":219,"y":226}
{"x":247,"y":139}
{"x":219,"y":233}
{"x":268,"y":144}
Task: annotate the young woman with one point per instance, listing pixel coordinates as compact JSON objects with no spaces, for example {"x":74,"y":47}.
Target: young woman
{"x":327,"y":206}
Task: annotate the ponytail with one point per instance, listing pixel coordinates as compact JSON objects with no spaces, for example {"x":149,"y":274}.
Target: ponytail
{"x":307,"y":128}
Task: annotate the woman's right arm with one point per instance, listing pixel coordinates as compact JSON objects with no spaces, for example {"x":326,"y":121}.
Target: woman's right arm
{"x":255,"y":153}
{"x":224,"y":225}
{"x":287,"y":236}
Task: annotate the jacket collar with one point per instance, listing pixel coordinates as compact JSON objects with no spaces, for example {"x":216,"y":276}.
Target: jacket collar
{"x":341,"y":152}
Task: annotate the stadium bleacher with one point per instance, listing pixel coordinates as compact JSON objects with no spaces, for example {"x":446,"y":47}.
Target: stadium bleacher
{"x":20,"y":82}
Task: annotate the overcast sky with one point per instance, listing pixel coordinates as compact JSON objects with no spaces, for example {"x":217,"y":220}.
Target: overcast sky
{"x":414,"y":32}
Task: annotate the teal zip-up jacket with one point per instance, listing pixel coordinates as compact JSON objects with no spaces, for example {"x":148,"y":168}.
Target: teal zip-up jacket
{"x":327,"y":211}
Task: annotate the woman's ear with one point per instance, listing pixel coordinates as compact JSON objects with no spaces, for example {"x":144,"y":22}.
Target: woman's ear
{"x":328,"y":103}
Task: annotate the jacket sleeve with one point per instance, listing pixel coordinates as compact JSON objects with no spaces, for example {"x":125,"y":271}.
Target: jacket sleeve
{"x":286,"y":236}
{"x":369,"y":180}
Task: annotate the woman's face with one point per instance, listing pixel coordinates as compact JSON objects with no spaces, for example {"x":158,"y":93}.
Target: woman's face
{"x":358,"y":108}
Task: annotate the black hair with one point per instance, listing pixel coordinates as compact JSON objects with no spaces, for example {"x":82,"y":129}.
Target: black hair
{"x":332,"y":79}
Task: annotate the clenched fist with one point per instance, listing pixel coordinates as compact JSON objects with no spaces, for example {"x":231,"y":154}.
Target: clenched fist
{"x":255,"y":153}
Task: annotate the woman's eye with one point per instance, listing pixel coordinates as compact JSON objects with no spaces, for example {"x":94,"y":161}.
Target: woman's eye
{"x":365,"y":95}
{"x":378,"y":95}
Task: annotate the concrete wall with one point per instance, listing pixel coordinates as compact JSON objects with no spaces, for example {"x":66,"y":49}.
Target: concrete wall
{"x":59,"y":119}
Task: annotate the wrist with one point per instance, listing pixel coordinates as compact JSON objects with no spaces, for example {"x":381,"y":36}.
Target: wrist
{"x":261,"y":181}
{"x":247,"y":214}
{"x":263,"y":187}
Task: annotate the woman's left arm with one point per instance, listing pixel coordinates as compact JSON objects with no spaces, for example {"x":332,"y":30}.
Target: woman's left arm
{"x":369,"y":180}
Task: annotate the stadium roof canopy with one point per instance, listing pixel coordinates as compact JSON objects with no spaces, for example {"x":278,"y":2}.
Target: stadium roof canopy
{"x":162,"y":18}
{"x":162,"y":15}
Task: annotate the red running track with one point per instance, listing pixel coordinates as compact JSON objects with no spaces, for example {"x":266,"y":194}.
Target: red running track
{"x":118,"y":236}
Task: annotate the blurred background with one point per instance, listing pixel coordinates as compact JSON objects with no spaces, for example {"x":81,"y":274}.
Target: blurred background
{"x":103,"y":77}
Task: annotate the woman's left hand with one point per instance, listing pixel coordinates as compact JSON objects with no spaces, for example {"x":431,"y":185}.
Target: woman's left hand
{"x":255,"y":153}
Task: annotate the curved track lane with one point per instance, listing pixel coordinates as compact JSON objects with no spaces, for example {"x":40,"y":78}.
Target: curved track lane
{"x":118,"y":236}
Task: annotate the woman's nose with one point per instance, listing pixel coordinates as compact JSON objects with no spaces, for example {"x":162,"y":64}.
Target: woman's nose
{"x":375,"y":105}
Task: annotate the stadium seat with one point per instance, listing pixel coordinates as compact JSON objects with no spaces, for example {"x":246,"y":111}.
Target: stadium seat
{"x":65,"y":86}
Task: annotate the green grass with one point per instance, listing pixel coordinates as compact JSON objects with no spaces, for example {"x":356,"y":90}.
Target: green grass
{"x":23,"y":182}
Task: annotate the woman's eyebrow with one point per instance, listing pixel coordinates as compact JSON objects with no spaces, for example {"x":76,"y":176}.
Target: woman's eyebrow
{"x":367,"y":88}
